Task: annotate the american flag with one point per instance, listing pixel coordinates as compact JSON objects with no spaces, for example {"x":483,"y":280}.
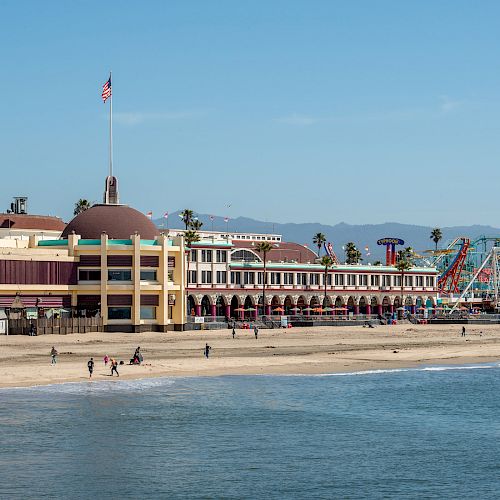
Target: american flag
{"x":106,"y":90}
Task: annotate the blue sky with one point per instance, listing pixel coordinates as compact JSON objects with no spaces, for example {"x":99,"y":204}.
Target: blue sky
{"x":289,"y":111}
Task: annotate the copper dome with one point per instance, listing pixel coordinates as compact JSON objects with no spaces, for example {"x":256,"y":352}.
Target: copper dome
{"x":118,"y":221}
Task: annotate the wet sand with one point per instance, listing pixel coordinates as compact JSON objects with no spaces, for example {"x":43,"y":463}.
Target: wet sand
{"x":25,"y":361}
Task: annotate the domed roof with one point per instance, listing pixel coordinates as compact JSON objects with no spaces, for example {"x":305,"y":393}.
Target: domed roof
{"x":118,"y":221}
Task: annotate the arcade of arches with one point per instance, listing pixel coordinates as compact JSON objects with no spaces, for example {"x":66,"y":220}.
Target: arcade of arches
{"x":250,"y":306}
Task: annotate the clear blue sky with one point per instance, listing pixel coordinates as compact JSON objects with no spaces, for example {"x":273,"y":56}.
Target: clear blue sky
{"x":292,"y":111}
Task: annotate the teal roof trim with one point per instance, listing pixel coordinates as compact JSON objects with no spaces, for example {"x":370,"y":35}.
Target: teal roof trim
{"x":118,"y":242}
{"x":53,"y":243}
{"x":89,"y":242}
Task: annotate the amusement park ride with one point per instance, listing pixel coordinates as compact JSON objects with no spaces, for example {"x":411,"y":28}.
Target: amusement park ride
{"x":469,"y":272}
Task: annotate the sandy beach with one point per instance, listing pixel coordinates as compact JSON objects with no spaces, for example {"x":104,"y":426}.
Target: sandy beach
{"x":25,"y":360}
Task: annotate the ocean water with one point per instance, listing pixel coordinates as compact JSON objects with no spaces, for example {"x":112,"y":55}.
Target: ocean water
{"x":421,"y":433}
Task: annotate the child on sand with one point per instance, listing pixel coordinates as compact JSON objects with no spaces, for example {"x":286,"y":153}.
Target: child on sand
{"x":106,"y":360}
{"x":90,"y":366}
{"x":114,"y":367}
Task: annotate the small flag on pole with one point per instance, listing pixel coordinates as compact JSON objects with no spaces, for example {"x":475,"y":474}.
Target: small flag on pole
{"x":226,"y":219}
{"x":212,"y":217}
{"x":149,"y":214}
{"x":106,"y":90}
{"x":165,"y":215}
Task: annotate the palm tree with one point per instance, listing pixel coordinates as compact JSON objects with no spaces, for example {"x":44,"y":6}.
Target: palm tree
{"x":264,"y":247}
{"x":326,"y":262}
{"x":195,"y":224}
{"x":81,"y":205}
{"x":377,"y":263}
{"x":403,"y":264}
{"x":319,"y":239}
{"x":353,"y":255}
{"x":436,"y":236}
{"x":187,"y":216}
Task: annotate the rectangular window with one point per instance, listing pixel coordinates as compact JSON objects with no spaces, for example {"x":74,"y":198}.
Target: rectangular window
{"x":386,"y":280}
{"x":119,"y":275}
{"x":148,"y":275}
{"x":339,"y":279}
{"x":89,"y":275}
{"x":351,"y":279}
{"x":275,"y":278}
{"x":206,"y":277}
{"x":363,"y":280}
{"x":194,"y":256}
{"x":148,"y":312}
{"x":206,"y":255}
{"x":235,"y":278}
{"x":171,"y":276}
{"x":314,"y":279}
{"x":221,"y":256}
{"x":260,"y":277}
{"x":221,"y":277}
{"x":119,"y":312}
{"x":248,"y":278}
{"x":375,"y":280}
{"x":397,"y":280}
{"x":408,"y":280}
{"x":193,"y":278}
{"x":288,"y":278}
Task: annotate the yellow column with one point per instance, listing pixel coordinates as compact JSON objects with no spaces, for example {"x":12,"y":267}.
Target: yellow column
{"x":104,"y":279}
{"x":162,"y":277}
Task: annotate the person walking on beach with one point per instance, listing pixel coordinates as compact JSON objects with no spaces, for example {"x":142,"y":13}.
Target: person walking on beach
{"x":53,"y":355}
{"x":106,"y":360}
{"x":32,"y":330}
{"x":207,"y":350}
{"x":90,"y":366}
{"x":234,"y":332}
{"x":463,"y":331}
{"x":256,"y":331}
{"x":114,"y":367}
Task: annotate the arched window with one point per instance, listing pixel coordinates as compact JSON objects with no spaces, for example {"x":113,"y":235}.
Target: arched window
{"x":244,"y":256}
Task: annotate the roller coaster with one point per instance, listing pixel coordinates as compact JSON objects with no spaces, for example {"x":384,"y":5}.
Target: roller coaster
{"x":469,"y":271}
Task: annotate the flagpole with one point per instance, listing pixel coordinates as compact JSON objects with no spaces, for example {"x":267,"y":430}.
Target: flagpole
{"x":111,"y":129}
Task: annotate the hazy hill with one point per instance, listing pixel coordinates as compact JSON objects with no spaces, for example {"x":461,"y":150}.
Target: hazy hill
{"x":363,"y":236}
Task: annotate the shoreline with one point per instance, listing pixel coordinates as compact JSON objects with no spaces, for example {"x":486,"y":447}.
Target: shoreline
{"x":298,"y":351}
{"x":472,"y":365}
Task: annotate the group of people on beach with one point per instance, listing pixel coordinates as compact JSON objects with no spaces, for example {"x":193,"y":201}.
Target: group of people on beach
{"x":107,"y":360}
{"x":137,"y":358}
{"x":113,"y":363}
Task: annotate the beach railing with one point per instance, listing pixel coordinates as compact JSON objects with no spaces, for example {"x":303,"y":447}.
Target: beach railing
{"x":57,"y":326}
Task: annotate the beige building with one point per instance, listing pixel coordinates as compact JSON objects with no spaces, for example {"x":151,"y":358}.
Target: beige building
{"x":111,"y":262}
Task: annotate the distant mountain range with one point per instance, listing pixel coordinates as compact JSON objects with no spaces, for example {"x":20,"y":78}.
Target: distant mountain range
{"x":364,"y":236}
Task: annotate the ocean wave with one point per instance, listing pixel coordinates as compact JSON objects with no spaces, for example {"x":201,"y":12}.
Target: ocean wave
{"x":438,"y":368}
{"x":99,"y":386}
